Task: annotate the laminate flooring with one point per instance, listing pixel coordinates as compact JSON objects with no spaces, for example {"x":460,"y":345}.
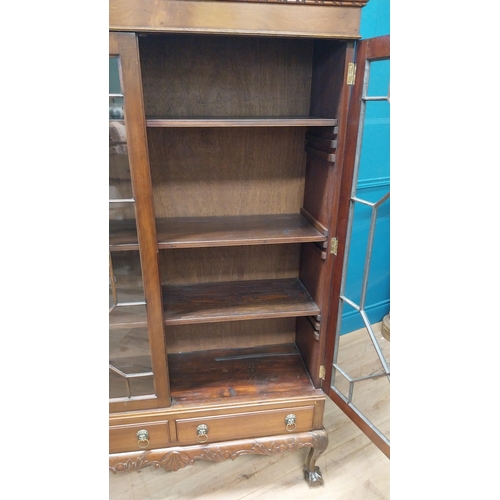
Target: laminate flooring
{"x":353,"y":467}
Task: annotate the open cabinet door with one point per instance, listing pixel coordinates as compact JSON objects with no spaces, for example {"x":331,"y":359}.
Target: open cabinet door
{"x":369,"y":53}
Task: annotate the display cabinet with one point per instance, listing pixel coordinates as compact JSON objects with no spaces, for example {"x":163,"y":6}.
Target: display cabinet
{"x":227,"y":129}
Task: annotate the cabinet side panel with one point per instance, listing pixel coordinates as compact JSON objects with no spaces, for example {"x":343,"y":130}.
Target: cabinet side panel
{"x":329,"y":97}
{"x":312,"y":272}
{"x":318,"y":194}
{"x":309,"y":348}
{"x":327,"y":77}
{"x":313,"y":275}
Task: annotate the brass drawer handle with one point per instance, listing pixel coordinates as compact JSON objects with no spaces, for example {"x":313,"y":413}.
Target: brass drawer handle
{"x":143,"y":436}
{"x":202,"y":433}
{"x":290,"y":422}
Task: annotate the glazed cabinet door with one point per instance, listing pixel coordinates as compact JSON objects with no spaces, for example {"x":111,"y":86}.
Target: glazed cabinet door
{"x":138,"y":375}
{"x":369,"y":107}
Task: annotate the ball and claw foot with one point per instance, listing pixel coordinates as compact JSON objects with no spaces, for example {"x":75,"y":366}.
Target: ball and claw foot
{"x":313,"y":478}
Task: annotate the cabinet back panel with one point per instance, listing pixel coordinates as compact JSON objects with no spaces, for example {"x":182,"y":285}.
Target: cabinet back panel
{"x":231,"y":335}
{"x":225,"y":75}
{"x":227,"y":171}
{"x":204,"y":265}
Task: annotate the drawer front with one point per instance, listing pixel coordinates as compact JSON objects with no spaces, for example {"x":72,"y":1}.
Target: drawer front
{"x":125,"y":437}
{"x":244,"y":425}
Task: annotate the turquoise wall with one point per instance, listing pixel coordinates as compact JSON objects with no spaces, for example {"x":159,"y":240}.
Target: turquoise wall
{"x":375,"y":18}
{"x":373,"y":183}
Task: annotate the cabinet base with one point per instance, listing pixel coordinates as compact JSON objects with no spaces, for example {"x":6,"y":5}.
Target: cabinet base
{"x":175,"y":458}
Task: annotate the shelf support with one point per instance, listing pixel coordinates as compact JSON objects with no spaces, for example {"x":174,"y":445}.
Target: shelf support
{"x":316,"y":326}
{"x":315,"y":223}
{"x":329,"y":157}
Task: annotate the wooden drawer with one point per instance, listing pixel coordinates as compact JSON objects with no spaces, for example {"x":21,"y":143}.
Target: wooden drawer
{"x":245,"y":425}
{"x":124,"y":437}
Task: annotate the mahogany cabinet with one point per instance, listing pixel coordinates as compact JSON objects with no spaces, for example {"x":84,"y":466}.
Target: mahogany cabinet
{"x":227,"y":140}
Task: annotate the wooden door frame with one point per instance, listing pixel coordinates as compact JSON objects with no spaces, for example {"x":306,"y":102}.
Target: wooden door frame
{"x":125,"y":45}
{"x":370,"y":49}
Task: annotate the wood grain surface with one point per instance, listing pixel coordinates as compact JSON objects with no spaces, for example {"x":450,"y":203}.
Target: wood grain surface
{"x":264,"y":371}
{"x":334,"y":19}
{"x":236,"y":300}
{"x":192,"y":232}
{"x":226,"y":76}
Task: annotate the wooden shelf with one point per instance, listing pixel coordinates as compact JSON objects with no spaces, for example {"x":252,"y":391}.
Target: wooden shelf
{"x":264,"y":371}
{"x":233,"y":231}
{"x":193,"y":232}
{"x":236,"y":300}
{"x":226,"y":301}
{"x":240,"y":121}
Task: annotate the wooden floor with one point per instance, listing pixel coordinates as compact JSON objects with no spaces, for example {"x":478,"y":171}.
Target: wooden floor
{"x":353,"y":468}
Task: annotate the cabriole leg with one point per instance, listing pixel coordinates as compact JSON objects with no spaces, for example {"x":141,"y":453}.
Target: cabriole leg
{"x":312,"y":473}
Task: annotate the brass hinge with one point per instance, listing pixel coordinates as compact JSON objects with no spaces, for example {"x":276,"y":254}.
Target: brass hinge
{"x":351,"y":73}
{"x":322,"y":372}
{"x":334,"y":245}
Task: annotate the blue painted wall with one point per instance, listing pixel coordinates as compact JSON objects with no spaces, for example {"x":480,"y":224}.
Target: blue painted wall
{"x":373,"y":183}
{"x":375,"y":18}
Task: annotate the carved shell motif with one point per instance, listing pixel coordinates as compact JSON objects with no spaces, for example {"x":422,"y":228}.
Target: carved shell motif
{"x":174,"y":461}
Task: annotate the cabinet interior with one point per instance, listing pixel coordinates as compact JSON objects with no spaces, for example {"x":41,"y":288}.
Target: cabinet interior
{"x":241,"y":134}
